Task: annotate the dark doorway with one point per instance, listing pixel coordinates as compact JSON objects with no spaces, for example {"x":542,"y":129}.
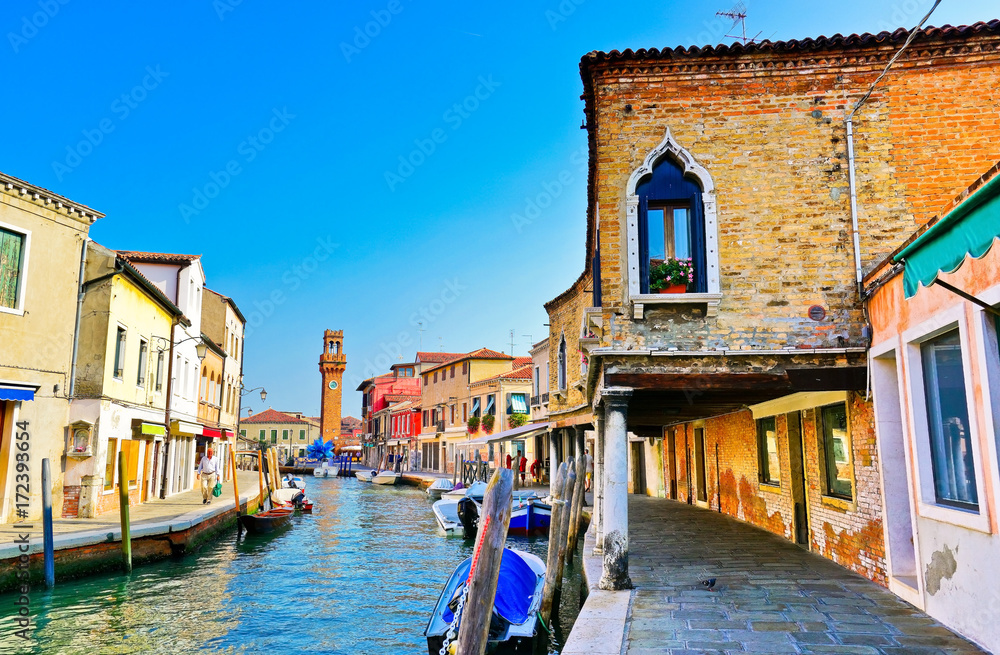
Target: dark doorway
{"x":699,"y":454}
{"x":672,"y":461}
{"x":797,"y":475}
{"x":638,"y":468}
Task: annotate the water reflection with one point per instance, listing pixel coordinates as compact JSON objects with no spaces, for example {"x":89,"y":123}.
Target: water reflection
{"x":360,"y":576}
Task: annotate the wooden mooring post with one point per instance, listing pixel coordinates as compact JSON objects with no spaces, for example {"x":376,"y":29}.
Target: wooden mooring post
{"x":579,"y":496}
{"x":567,"y":514}
{"x":123,"y":512}
{"x":473,"y":633}
{"x":551,"y":562}
{"x":48,"y":545}
{"x":260,"y":474}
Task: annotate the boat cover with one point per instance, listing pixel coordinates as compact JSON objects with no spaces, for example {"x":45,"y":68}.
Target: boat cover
{"x":515,"y":588}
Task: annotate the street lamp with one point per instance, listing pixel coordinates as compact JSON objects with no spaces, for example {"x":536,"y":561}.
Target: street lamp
{"x":263,"y":392}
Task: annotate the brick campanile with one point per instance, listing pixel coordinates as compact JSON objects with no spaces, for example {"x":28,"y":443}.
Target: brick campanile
{"x":331,"y":367}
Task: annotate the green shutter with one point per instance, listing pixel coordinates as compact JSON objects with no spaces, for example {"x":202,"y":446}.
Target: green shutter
{"x":10,"y":267}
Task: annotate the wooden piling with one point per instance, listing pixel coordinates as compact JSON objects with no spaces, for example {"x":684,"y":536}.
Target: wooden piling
{"x":567,"y":514}
{"x":473,"y":633}
{"x":579,"y":495}
{"x":48,"y":546}
{"x":260,"y":474}
{"x":123,"y":512}
{"x":236,"y":484}
{"x":551,"y":562}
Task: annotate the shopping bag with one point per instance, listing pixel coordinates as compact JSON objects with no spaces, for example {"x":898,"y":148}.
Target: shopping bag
{"x":217,"y":491}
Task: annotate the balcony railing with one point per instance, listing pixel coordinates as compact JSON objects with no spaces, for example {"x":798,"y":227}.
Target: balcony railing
{"x":538,"y":401}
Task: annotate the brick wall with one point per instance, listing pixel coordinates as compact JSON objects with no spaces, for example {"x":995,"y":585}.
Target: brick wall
{"x":566,"y":319}
{"x":109,"y":502}
{"x":849,"y":533}
{"x":71,"y":501}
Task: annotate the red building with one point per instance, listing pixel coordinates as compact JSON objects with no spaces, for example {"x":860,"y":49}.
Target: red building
{"x":401,"y":381}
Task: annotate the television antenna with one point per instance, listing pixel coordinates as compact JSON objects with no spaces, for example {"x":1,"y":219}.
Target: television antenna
{"x":421,"y":337}
{"x":738,"y":14}
{"x":512,"y":343}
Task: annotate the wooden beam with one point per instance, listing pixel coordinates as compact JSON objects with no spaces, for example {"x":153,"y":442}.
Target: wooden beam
{"x":698,"y":381}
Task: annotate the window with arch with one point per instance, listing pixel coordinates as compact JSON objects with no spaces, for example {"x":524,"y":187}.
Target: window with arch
{"x":562,"y":363}
{"x":671,"y":213}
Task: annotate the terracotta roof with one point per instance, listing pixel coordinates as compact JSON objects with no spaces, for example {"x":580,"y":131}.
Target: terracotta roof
{"x":522,"y":361}
{"x":523,"y":373}
{"x":400,"y":397}
{"x":272,"y":416}
{"x":436,"y":358}
{"x":350,"y":421}
{"x":794,"y":45}
{"x":157,"y":257}
{"x":482,"y":353}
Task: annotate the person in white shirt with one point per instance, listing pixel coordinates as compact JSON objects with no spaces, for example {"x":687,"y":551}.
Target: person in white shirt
{"x":209,"y":470}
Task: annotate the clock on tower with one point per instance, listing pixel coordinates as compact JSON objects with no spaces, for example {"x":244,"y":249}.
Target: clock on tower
{"x":331,"y":367}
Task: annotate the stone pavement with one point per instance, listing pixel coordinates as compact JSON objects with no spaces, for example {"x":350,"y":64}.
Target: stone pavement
{"x":146,"y":518}
{"x":771,"y":596}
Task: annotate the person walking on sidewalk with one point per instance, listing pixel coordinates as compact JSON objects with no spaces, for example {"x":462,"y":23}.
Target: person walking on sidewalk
{"x":208,"y":468}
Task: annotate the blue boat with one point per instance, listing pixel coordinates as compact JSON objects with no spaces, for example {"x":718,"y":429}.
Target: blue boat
{"x":529,"y":516}
{"x":513,"y":626}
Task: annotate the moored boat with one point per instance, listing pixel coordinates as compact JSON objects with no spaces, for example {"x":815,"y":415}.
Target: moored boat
{"x":439,"y":486}
{"x":446,"y":513}
{"x":269,"y":521}
{"x":364,"y":476}
{"x":386,"y":477}
{"x":529,"y":516}
{"x":513,"y":627}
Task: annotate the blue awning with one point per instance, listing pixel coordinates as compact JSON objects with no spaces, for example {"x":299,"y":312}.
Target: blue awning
{"x":518,"y":404}
{"x":16,"y":392}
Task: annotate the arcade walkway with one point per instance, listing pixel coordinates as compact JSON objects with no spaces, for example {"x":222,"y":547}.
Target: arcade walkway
{"x":770,"y":595}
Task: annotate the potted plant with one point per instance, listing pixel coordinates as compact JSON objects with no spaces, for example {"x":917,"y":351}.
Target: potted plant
{"x":488,"y":421}
{"x":473,"y":424}
{"x":517,"y":420}
{"x":672,"y":275}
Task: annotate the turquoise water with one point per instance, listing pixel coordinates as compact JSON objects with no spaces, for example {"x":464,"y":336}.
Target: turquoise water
{"x":359,"y":576}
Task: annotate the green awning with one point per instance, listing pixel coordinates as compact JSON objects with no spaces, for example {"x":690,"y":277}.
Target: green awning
{"x":969,"y":229}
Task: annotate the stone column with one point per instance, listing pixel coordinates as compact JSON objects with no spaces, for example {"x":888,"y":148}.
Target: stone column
{"x":599,"y":481}
{"x":615,"y":517}
{"x":553,"y":459}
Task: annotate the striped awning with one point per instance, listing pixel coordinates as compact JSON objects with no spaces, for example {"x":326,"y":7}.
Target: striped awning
{"x":968,"y":230}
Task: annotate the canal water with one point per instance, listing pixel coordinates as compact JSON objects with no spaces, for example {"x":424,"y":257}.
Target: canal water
{"x":358,"y":577}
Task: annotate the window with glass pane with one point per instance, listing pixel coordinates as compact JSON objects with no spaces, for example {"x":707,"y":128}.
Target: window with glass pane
{"x":837,"y":451}
{"x":159,"y":370}
{"x":948,"y":421}
{"x":767,"y":451}
{"x":11,"y":259}
{"x":669,"y":232}
{"x":120,"y":353}
{"x":143,"y":354}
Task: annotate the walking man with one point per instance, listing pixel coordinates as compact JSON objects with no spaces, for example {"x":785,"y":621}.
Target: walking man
{"x":208,"y":468}
{"x":522,"y":462}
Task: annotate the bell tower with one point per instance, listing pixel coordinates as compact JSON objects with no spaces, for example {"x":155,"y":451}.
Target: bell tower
{"x":331,"y":368}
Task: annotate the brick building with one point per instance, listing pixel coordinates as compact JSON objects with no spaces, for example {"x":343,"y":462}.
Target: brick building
{"x":745,"y":392}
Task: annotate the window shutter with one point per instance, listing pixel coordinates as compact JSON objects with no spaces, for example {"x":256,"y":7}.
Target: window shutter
{"x":698,"y":256}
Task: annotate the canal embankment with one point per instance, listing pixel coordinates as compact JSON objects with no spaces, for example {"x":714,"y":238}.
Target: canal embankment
{"x":159,"y":529}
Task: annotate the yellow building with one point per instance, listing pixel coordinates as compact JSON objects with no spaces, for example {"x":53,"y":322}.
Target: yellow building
{"x":42,"y":244}
{"x":289,"y":432}
{"x":120,"y":386}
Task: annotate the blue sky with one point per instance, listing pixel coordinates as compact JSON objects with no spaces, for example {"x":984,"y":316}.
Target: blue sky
{"x":352,"y":166}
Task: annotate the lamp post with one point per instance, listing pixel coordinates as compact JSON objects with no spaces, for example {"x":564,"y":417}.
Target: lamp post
{"x":201,"y":349}
{"x":246,"y":392}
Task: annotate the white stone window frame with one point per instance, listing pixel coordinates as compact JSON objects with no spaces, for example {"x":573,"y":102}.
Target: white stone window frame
{"x":927,"y":505}
{"x":988,"y":360}
{"x":669,"y":147}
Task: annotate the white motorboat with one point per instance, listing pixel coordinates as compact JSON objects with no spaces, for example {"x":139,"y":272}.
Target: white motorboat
{"x":439,"y":486}
{"x":446,"y":513}
{"x":320,"y":472}
{"x":293,"y":482}
{"x":476,"y":491}
{"x":364,"y":476}
{"x":386,"y":477}
{"x":328,"y":470}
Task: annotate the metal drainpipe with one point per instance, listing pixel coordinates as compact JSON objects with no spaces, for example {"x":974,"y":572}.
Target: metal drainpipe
{"x":79,"y":312}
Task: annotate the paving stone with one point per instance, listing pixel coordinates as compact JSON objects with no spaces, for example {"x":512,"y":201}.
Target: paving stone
{"x":773,"y":626}
{"x":812,"y":638}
